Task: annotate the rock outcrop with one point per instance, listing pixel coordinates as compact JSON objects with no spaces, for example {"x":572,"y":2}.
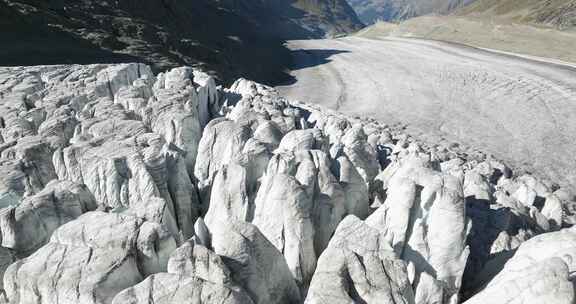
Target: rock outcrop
{"x":229,"y":38}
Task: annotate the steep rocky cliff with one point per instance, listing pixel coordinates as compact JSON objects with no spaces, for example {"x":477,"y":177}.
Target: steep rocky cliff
{"x":297,"y":19}
{"x":228,"y":38}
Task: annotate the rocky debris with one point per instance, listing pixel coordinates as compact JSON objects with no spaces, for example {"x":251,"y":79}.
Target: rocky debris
{"x":119,"y":186}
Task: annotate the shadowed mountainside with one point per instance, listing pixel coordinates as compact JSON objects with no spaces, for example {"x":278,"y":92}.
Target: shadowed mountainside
{"x":297,"y":19}
{"x":370,"y":11}
{"x":227,"y":38}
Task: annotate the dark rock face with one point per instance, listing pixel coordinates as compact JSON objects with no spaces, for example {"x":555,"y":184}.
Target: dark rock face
{"x":292,"y":19}
{"x":229,"y":38}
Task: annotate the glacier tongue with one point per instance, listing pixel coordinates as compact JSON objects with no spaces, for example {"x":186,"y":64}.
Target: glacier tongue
{"x":121,"y":186}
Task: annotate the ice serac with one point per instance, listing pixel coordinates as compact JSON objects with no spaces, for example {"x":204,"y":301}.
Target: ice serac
{"x":355,"y":160}
{"x":98,"y":188}
{"x":254,"y":262}
{"x":298,"y":140}
{"x":30,"y":158}
{"x":90,"y":260}
{"x":222,"y":141}
{"x":195,"y":275}
{"x":419,"y":204}
{"x":355,"y":188}
{"x":284,"y":215}
{"x":168,"y":288}
{"x":260,"y":99}
{"x":94,"y":125}
{"x":299,"y":204}
{"x":230,"y":195}
{"x":30,"y":224}
{"x":115,"y":153}
{"x":360,"y":153}
{"x":209,"y":103}
{"x":359,"y":266}
{"x":539,"y":272}
{"x":500,"y":223}
{"x":7,"y":257}
{"x":173,"y":112}
{"x":128,"y":173}
{"x":329,"y":203}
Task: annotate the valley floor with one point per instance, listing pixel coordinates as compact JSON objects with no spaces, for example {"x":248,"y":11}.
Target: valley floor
{"x":520,"y":109}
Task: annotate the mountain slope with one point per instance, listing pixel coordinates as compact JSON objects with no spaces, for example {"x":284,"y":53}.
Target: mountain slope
{"x":370,"y":11}
{"x":531,"y":27}
{"x":490,"y":33}
{"x":225,"y":37}
{"x":557,"y":13}
{"x":293,"y":19}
